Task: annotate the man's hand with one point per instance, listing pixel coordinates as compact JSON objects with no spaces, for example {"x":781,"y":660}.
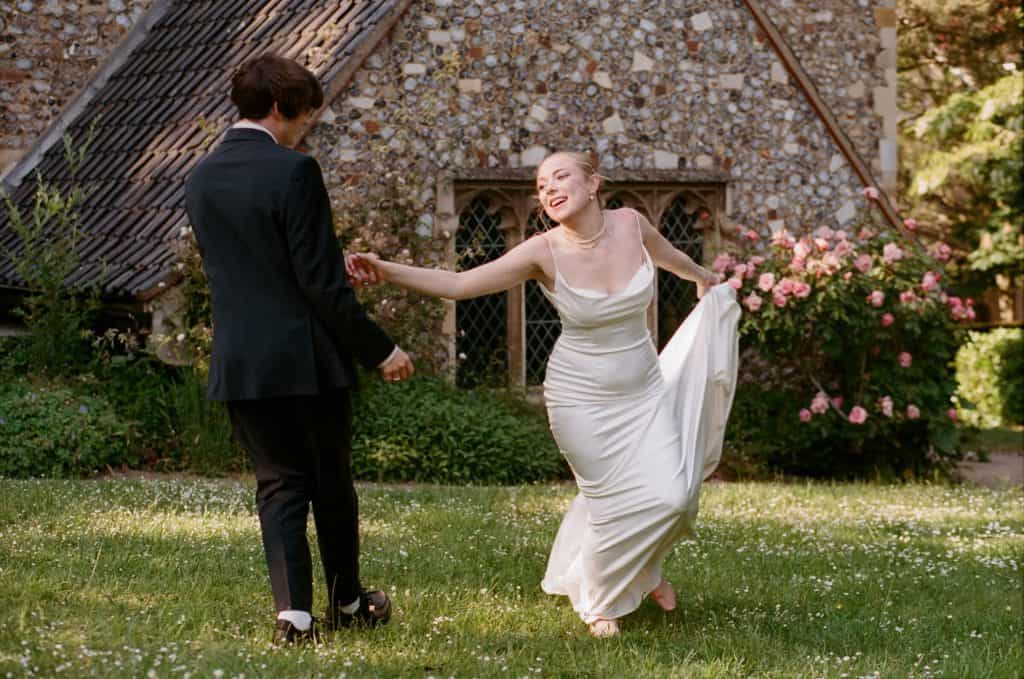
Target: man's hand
{"x":362,"y":269}
{"x":397,"y":368}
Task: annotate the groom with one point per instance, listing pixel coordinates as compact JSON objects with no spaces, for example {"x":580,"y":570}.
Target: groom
{"x":287,"y":327}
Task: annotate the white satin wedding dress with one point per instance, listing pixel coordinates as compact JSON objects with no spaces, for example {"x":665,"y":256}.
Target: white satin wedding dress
{"x":640,"y":431}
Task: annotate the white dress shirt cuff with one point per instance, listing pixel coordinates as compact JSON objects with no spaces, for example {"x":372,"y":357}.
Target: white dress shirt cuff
{"x":394,"y":352}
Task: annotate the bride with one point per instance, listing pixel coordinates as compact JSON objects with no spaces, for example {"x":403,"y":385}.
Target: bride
{"x":639,"y":431}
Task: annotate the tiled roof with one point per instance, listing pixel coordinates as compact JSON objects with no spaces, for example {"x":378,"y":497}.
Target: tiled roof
{"x":158,"y":107}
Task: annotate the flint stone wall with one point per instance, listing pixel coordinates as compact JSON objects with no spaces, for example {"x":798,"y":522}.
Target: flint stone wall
{"x":48,"y":51}
{"x":646,"y":85}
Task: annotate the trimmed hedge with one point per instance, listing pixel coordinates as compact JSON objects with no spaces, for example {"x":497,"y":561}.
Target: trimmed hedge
{"x":55,"y":432}
{"x":990,"y":373}
{"x":426,"y":430}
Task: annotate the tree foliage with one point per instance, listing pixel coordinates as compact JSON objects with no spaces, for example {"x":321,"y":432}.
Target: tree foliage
{"x":961,"y":88}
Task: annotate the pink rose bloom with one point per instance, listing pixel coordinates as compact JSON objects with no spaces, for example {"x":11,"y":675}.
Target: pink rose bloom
{"x":929,"y":281}
{"x":863,"y":263}
{"x":837,"y":401}
{"x":843,"y":248}
{"x":970,"y":314}
{"x":848,"y":275}
{"x":820,"y":403}
{"x":840,"y":235}
{"x":801,"y":289}
{"x":891,"y":253}
{"x":886,"y":403}
{"x":779,"y":299}
{"x":805,"y":415}
{"x":908,"y":297}
{"x":752,"y":236}
{"x":786,"y":286}
{"x":802,"y":249}
{"x":952,"y":414}
{"x":940,"y":251}
{"x":830,"y":261}
{"x":887,"y":319}
{"x":766,"y":281}
{"x":912,"y":412}
{"x":866,"y":234}
{"x":797,"y":265}
{"x":822,"y":244}
{"x":858,"y":415}
{"x":871,"y":193}
{"x":756,"y":260}
{"x":906,"y":360}
{"x":823,"y":232}
{"x":723,"y":262}
{"x":910,"y":224}
{"x":736,"y":283}
{"x":740,"y":270}
{"x":877,"y":298}
{"x":752,"y":301}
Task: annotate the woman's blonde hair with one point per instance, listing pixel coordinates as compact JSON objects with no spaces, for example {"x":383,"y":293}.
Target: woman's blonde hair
{"x":585,"y":161}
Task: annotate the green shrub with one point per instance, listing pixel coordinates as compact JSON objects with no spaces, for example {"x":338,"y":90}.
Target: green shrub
{"x":54,"y":431}
{"x":426,"y":430}
{"x":848,"y":340}
{"x":135,"y":385}
{"x":990,"y":373}
{"x":199,"y":431}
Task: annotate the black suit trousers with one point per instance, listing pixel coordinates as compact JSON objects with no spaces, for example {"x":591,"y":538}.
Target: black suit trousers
{"x":301,"y":449}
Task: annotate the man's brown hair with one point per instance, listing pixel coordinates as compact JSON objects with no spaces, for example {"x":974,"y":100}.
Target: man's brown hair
{"x":262,"y":80}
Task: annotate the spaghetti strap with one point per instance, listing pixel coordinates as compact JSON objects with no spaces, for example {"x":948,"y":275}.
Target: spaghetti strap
{"x":640,"y":233}
{"x":554,"y":260}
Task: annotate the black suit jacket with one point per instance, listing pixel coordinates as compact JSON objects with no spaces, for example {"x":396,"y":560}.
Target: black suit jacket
{"x":286,"y":322}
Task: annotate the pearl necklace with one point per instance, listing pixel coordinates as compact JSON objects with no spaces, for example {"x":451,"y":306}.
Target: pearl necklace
{"x":587,"y":243}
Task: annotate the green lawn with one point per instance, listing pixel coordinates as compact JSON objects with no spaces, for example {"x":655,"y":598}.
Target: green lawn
{"x":167,"y":579}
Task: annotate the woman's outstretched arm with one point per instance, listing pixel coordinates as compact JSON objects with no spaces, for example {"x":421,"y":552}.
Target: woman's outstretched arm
{"x":668,"y":257}
{"x":519,"y":264}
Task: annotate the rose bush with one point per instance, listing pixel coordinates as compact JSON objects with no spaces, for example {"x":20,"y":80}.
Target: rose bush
{"x":848,"y":339}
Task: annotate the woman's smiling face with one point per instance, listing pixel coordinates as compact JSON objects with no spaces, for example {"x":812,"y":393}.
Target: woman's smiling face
{"x":563,"y":187}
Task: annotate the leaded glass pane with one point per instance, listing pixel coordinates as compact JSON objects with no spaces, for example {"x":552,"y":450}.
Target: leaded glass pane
{"x":481,"y":323}
{"x":542,"y":324}
{"x":676,"y":297}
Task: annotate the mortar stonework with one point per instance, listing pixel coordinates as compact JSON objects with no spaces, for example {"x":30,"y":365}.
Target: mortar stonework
{"x":637,"y":83}
{"x":48,"y":51}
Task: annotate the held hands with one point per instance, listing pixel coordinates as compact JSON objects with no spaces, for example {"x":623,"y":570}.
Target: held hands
{"x":364,"y":268}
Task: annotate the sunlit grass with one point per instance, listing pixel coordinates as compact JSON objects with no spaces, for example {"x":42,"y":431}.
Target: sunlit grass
{"x":167,"y":579}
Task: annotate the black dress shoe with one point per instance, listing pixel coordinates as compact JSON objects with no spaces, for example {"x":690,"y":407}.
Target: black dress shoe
{"x":287,"y":634}
{"x":374,"y":609}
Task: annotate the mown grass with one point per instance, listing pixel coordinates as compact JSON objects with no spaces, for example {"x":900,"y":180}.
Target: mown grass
{"x":167,"y":579}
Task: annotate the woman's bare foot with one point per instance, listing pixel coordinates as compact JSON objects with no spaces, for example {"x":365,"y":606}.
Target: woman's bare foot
{"x":664,"y":595}
{"x":604,"y":628}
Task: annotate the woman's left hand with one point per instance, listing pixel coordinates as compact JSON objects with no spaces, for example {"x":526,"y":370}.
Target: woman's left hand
{"x":710,"y":279}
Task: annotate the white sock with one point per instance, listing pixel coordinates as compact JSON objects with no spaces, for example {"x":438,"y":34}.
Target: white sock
{"x":301,"y":619}
{"x":351,"y":608}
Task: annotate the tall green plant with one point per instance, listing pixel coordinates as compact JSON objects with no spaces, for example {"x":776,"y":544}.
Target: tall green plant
{"x":55,"y":314}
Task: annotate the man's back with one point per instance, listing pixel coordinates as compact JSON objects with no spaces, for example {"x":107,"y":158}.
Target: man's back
{"x":285,"y":320}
